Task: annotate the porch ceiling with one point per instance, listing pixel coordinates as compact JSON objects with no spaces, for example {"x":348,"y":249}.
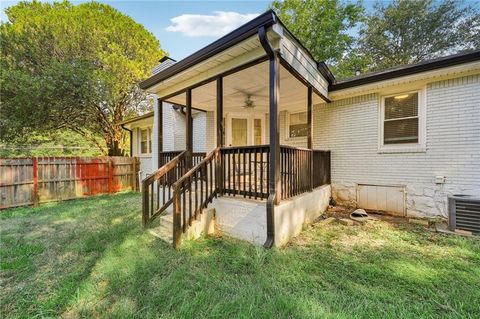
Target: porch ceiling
{"x":251,"y":81}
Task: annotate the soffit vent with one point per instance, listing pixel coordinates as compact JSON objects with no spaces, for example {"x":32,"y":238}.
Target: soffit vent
{"x":464,"y":213}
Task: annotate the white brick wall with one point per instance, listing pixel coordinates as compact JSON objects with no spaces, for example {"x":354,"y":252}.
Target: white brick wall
{"x":174,"y":130}
{"x":210,"y":131}
{"x":349,"y":128}
{"x":199,"y":132}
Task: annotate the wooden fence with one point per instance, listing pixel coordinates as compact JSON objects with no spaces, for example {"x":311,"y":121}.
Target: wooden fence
{"x":30,"y":181}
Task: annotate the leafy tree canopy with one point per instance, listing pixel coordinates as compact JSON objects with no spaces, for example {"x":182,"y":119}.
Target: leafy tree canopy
{"x":393,"y":33}
{"x":321,"y":25}
{"x":57,"y":143}
{"x":404,"y":31}
{"x":72,"y":67}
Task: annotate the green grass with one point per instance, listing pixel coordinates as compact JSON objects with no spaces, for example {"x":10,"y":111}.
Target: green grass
{"x":90,"y":258}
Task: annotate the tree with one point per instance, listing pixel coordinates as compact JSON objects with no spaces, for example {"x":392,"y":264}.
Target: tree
{"x":404,"y":31}
{"x":321,"y":25}
{"x":73,"y":67}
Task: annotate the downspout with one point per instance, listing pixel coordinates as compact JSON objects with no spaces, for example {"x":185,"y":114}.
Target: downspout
{"x":131,"y":138}
{"x":274,"y":143}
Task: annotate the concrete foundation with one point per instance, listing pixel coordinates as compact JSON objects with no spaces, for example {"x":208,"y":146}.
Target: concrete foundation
{"x":246,"y":219}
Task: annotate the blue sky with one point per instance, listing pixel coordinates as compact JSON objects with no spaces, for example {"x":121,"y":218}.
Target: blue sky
{"x":198,"y":22}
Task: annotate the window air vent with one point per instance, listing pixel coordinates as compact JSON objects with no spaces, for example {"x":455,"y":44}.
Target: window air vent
{"x":464,"y":213}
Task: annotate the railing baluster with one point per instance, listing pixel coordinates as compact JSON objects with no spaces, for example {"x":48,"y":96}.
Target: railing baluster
{"x":244,"y":173}
{"x":189,"y":201}
{"x":234,"y":173}
{"x":255,"y":173}
{"x":184,"y":202}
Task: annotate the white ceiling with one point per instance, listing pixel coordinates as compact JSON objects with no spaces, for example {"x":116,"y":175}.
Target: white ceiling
{"x":252,"y":81}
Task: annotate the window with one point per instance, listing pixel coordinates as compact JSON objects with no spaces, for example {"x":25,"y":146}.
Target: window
{"x":145,"y":142}
{"x":402,"y":121}
{"x":298,"y":125}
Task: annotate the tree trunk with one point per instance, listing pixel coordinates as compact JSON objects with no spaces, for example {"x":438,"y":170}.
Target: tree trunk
{"x":115,"y":142}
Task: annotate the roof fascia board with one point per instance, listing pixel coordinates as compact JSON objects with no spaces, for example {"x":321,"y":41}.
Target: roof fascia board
{"x":136,"y":119}
{"x":414,"y":80}
{"x":408,"y":70}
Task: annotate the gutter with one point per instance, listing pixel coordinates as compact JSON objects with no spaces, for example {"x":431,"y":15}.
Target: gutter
{"x":408,"y":69}
{"x":273,"y":94}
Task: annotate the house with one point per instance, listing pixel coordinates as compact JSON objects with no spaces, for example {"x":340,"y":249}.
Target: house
{"x":281,"y":136}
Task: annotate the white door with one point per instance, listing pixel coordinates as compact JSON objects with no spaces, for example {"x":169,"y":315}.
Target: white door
{"x":244,"y":130}
{"x":239,"y":131}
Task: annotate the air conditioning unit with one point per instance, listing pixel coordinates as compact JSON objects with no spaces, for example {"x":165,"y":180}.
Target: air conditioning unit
{"x":464,"y":213}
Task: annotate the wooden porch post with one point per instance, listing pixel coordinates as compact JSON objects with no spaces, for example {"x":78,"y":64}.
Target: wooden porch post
{"x":220,"y":131}
{"x":220,"y":134}
{"x":160,"y":133}
{"x":310,"y":133}
{"x":309,"y":114}
{"x":189,"y":128}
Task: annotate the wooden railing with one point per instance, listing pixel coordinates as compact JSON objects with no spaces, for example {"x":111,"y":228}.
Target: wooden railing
{"x":321,"y":168}
{"x":234,"y":171}
{"x":245,"y":171}
{"x":165,"y":157}
{"x":192,"y":193}
{"x":295,"y":170}
{"x":158,"y":187}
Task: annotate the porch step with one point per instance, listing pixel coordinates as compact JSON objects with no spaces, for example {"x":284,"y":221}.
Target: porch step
{"x":164,"y":228}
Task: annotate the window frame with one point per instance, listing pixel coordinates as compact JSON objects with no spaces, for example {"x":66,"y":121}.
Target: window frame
{"x":420,"y":146}
{"x":149,"y":140}
{"x":287,"y":126}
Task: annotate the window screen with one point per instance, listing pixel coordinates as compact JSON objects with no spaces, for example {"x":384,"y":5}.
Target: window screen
{"x":401,"y":119}
{"x":298,"y":124}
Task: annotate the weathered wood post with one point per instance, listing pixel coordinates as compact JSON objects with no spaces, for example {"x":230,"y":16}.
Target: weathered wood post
{"x":110,"y":175}
{"x":145,"y":204}
{"x":35,"y":198}
{"x":220,"y":134}
{"x":177,"y":226}
{"x":189,"y":128}
{"x":310,"y":133}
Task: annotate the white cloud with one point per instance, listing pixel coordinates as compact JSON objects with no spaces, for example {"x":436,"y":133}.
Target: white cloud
{"x":218,"y":24}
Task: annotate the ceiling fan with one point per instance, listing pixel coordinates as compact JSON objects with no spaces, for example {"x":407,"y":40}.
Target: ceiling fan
{"x":249,"y":102}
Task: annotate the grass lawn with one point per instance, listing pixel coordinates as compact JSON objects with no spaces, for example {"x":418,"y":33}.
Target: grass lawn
{"x":90,"y":258}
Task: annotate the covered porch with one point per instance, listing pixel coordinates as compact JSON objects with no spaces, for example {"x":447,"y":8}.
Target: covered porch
{"x":244,"y":81}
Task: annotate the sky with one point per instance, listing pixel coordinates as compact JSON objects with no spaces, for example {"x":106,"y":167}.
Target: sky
{"x":183,"y":27}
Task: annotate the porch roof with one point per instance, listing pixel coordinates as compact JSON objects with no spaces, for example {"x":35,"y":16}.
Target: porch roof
{"x":239,"y":48}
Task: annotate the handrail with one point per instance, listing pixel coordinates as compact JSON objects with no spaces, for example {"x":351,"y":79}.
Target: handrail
{"x":162,"y":170}
{"x":153,"y":204}
{"x":192,"y":192}
{"x":196,"y":167}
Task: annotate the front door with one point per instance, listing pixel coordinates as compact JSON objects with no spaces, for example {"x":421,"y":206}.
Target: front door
{"x":239,"y":132}
{"x":245,"y":130}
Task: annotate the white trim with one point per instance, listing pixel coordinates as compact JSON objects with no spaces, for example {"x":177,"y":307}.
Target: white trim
{"x":422,"y":125}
